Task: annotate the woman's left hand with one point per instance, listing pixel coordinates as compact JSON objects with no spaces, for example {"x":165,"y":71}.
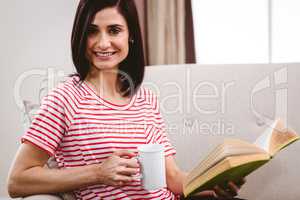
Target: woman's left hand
{"x":229,"y":191}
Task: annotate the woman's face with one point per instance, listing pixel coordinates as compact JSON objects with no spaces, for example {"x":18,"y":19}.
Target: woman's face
{"x":107,"y":42}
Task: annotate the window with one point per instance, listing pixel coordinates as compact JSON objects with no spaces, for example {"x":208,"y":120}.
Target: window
{"x":246,"y":31}
{"x":286,"y":31}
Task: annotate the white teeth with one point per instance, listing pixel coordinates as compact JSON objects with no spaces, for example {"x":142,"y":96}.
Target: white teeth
{"x":104,"y":53}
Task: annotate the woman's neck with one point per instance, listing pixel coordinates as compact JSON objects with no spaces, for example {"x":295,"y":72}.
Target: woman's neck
{"x":105,"y":82}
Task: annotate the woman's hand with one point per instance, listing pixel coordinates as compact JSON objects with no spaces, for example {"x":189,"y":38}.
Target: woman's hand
{"x":229,"y":191}
{"x":118,"y":170}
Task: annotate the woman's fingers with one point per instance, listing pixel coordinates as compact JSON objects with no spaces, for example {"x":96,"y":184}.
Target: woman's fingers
{"x":127,"y":171}
{"x":218,"y":192}
{"x":206,"y":193}
{"x":240,"y":182}
{"x":223,"y":193}
{"x":133,"y":163}
{"x":119,"y":168}
{"x":124,"y":153}
{"x":233,"y":188}
{"x":230,"y":191}
{"x":121,"y":180}
{"x":127,"y":158}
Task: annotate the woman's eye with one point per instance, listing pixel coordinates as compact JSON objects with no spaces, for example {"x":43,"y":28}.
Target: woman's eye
{"x":92,"y":30}
{"x":114,"y":31}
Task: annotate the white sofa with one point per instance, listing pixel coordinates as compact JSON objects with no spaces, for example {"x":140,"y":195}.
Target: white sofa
{"x":203,"y":104}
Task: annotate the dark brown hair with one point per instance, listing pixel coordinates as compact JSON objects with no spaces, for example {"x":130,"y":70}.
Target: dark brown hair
{"x":133,"y":66}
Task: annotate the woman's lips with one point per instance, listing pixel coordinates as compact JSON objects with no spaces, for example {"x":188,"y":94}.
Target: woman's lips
{"x":104,"y":55}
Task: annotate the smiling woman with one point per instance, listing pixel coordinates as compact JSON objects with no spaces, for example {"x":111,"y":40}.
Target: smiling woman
{"x":115,"y":30}
{"x":107,"y":46}
{"x":108,"y":38}
{"x":93,"y":123}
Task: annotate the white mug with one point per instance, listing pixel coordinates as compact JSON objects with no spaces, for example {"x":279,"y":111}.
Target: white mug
{"x":152,"y":160}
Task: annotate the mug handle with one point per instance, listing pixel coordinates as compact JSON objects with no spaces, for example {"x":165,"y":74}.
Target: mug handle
{"x":139,"y":176}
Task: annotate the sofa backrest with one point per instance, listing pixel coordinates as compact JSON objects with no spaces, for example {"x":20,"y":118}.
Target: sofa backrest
{"x":203,"y":104}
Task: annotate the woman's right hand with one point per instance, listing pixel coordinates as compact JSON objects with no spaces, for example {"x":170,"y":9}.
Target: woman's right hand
{"x":118,"y":169}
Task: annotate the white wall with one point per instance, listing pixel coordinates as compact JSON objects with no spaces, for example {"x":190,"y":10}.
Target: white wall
{"x":34,"y":35}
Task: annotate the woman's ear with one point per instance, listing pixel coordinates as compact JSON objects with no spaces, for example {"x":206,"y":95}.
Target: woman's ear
{"x":131,"y":40}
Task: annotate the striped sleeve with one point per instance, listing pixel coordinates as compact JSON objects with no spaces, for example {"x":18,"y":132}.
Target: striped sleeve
{"x":49,"y":124}
{"x":161,"y":133}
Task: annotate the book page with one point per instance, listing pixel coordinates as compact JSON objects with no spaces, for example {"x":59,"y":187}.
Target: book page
{"x":230,"y":147}
{"x":263,"y":141}
{"x":276,"y":137}
{"x":280,"y":139}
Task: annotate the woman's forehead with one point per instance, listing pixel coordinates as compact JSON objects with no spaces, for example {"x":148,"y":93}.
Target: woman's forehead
{"x":109,"y":16}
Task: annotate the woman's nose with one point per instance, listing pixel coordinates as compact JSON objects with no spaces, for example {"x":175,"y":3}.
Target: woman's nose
{"x":103,"y":41}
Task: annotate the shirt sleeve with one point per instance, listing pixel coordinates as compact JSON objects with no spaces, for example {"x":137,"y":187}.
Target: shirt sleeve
{"x":49,"y":124}
{"x":160,"y":126}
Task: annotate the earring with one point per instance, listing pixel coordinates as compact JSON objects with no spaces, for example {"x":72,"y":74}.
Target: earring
{"x":131,"y":40}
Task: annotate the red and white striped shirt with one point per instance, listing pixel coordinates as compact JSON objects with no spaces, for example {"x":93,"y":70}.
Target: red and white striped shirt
{"x":79,"y":128}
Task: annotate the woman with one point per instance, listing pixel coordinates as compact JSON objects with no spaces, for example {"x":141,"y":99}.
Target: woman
{"x":93,"y":122}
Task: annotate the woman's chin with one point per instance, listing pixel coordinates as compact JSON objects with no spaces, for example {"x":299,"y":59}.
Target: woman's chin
{"x":104,"y":66}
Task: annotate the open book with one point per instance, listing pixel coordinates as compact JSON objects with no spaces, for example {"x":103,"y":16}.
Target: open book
{"x":235,"y":158}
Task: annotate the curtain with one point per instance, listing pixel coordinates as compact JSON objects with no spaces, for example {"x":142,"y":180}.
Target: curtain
{"x":168,"y":34}
{"x":165,"y":31}
{"x":190,"y":54}
{"x":141,"y":8}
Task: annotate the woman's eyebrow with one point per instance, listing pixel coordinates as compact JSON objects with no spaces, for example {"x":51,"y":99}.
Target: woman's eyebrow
{"x":93,"y":26}
{"x":115,"y":26}
{"x":110,"y":26}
